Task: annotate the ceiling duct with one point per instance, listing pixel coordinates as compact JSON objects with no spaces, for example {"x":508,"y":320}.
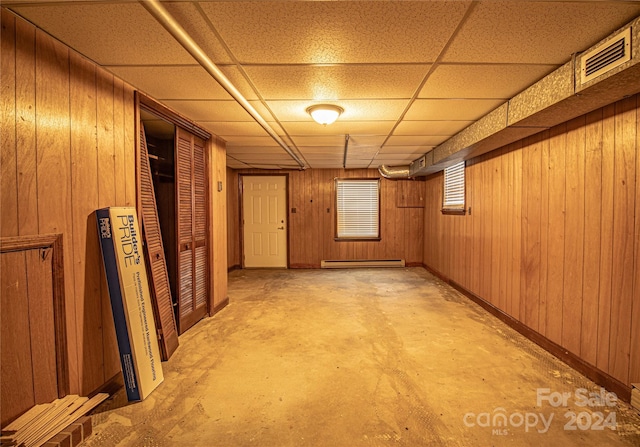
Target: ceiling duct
{"x":178,"y":32}
{"x":394,"y":172}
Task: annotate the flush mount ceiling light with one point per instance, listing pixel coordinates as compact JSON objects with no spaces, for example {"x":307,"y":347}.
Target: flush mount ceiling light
{"x":324,"y":113}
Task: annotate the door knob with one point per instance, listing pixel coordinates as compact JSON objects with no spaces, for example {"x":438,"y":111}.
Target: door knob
{"x":280,"y":228}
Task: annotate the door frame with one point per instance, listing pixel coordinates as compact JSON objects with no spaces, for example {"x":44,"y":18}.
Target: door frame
{"x":241,"y":209}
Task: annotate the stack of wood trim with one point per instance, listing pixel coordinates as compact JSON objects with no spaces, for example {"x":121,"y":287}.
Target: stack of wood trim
{"x":44,"y":421}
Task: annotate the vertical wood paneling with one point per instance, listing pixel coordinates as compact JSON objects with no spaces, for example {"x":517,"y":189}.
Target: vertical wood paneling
{"x":233,"y":218}
{"x":17,"y":393}
{"x":476,"y":192}
{"x":107,"y":181}
{"x":54,"y":119}
{"x":129,"y":145}
{"x":569,"y":227}
{"x":120,"y":168}
{"x":516,"y":256}
{"x":482,"y":208}
{"x":54,"y":167}
{"x":217,"y":232}
{"x":634,"y":360}
{"x":592,"y":232}
{"x":544,"y":231}
{"x":312,"y":228}
{"x":606,"y":237}
{"x":8,"y":179}
{"x":496,"y":197}
{"x":25,"y":129}
{"x":623,"y":237}
{"x":84,"y":192}
{"x":574,"y":235}
{"x":555,"y":278}
{"x":41,"y":324}
{"x":530,"y":268}
{"x":503,"y":260}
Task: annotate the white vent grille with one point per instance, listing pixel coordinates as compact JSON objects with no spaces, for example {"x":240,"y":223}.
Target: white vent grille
{"x":605,"y":57}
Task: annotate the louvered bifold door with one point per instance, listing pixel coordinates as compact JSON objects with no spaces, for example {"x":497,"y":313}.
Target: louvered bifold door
{"x":155,"y":257}
{"x":192,"y":223}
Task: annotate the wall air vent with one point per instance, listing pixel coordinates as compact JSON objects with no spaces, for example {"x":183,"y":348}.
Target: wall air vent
{"x":605,"y":57}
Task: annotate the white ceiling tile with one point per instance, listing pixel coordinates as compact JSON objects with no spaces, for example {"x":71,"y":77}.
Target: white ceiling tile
{"x":333,"y":82}
{"x":244,"y":140}
{"x":188,"y":15}
{"x":340,"y":127}
{"x":545,"y":32}
{"x":451,"y":127}
{"x":167,"y":82}
{"x":482,"y":81}
{"x":210,"y":110}
{"x":236,"y":128}
{"x":404,"y":150}
{"x":414,"y":140}
{"x":110,"y":34}
{"x":335,"y":32}
{"x":338,"y":140}
{"x":370,"y":58}
{"x":451,"y":109}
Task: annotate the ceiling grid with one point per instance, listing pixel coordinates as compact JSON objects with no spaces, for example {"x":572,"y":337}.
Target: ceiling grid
{"x":409,"y":75}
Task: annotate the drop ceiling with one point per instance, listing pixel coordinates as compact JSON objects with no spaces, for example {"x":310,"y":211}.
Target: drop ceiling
{"x":408,"y":74}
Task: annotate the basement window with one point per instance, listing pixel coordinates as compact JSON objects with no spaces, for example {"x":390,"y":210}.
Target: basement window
{"x":453,"y":201}
{"x":357,"y":209}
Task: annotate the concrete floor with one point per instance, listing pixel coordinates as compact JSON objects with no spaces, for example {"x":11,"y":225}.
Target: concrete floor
{"x":367,"y":357}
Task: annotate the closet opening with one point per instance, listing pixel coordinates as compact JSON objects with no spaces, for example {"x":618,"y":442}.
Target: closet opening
{"x":160,"y":136}
{"x":174,"y":206}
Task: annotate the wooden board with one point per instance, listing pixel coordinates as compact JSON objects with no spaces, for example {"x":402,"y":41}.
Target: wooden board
{"x":8,"y":178}
{"x":25,"y":129}
{"x":16,"y":366}
{"x":592,"y":234}
{"x":574,"y":235}
{"x":555,"y":278}
{"x":634,"y":360}
{"x":606,"y":238}
{"x":623,"y":244}
{"x":84,"y":189}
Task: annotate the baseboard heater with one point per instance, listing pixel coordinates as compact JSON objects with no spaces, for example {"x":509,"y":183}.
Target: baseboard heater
{"x":362,"y":263}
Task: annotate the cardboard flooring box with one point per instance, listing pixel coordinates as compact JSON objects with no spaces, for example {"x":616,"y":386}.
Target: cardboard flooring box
{"x":124,"y":265}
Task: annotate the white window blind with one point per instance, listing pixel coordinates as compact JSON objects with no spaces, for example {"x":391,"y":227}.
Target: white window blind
{"x":454,"y":186}
{"x":357,"y":207}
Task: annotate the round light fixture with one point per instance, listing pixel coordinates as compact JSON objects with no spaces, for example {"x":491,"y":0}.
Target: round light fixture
{"x":324,"y":113}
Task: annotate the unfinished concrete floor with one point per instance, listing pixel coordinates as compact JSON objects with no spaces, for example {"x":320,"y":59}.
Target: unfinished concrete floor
{"x":369,"y":357}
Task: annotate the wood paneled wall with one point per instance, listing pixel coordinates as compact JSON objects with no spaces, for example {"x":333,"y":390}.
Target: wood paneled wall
{"x":68,"y":148}
{"x":553,"y":236}
{"x":312,"y":228}
{"x":217,"y":160}
{"x":233,"y":219}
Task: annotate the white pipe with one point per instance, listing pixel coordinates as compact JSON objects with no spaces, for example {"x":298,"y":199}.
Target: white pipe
{"x":175,"y":29}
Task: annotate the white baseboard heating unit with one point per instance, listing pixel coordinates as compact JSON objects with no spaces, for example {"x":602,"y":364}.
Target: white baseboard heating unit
{"x":362,"y":263}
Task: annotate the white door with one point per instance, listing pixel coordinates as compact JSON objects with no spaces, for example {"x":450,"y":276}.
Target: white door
{"x":264,"y":211}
